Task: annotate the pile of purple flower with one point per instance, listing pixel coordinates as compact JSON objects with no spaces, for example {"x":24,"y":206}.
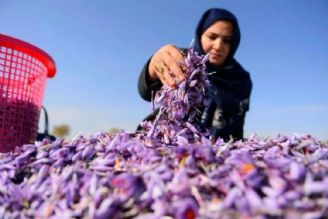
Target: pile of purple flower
{"x":179,"y":107}
{"x":169,"y":170}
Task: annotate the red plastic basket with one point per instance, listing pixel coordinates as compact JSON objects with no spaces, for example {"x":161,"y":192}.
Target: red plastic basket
{"x":24,"y":69}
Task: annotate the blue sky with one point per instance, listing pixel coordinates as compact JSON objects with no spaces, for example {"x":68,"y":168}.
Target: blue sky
{"x":100,"y":47}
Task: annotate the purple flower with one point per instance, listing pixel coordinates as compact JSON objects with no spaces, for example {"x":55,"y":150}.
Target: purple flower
{"x":180,"y":183}
{"x":128,"y":186}
{"x":296,"y":171}
{"x":88,"y":152}
{"x":109,"y":208}
{"x":253,"y":198}
{"x":232,"y":197}
{"x":315,"y":187}
{"x":185,"y":209}
{"x":278,"y":183}
{"x":204,"y":153}
{"x":170,"y":169}
{"x":276,"y":159}
{"x":160,"y":207}
{"x":239,"y":158}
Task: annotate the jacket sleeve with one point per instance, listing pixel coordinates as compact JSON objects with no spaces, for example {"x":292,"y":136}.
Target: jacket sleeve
{"x":145,"y":86}
{"x":237,"y":126}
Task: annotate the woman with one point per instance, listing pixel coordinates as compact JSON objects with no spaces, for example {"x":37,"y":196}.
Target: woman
{"x":230,"y":85}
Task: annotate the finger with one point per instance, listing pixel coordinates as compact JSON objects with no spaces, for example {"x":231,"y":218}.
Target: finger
{"x":179,"y":56}
{"x":162,"y":79}
{"x":168,"y":77}
{"x":163,"y":73}
{"x":159,"y":70}
{"x":173,"y":65}
{"x":176,"y":53}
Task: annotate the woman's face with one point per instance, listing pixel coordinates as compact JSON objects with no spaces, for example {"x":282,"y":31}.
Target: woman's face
{"x":216,"y":40}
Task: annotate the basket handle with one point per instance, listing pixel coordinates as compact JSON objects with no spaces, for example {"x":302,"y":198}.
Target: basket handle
{"x":45,"y":134}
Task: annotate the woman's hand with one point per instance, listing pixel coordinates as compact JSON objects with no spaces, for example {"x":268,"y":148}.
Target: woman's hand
{"x":167,"y":65}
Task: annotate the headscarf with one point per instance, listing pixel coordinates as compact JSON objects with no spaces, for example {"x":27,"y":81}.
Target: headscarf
{"x":230,"y":85}
{"x":210,"y":17}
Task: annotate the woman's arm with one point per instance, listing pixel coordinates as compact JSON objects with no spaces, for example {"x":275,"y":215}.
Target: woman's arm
{"x":146,"y":86}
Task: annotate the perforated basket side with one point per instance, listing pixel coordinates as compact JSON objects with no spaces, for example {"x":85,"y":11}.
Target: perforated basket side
{"x":23,"y":77}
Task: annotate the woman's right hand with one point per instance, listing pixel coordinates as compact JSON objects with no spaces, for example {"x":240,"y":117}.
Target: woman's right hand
{"x":166,"y":65}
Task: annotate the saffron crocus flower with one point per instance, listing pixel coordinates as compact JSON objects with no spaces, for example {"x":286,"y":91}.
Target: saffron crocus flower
{"x":316,"y":187}
{"x":180,"y":183}
{"x":160,"y":207}
{"x":278,"y":183}
{"x":109,"y":208}
{"x":234,"y":194}
{"x":254,"y":199}
{"x":275,"y":158}
{"x":239,"y":158}
{"x":171,"y":169}
{"x":185,"y":209}
{"x":296,"y":171}
{"x":128,"y":186}
{"x":204,"y":153}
